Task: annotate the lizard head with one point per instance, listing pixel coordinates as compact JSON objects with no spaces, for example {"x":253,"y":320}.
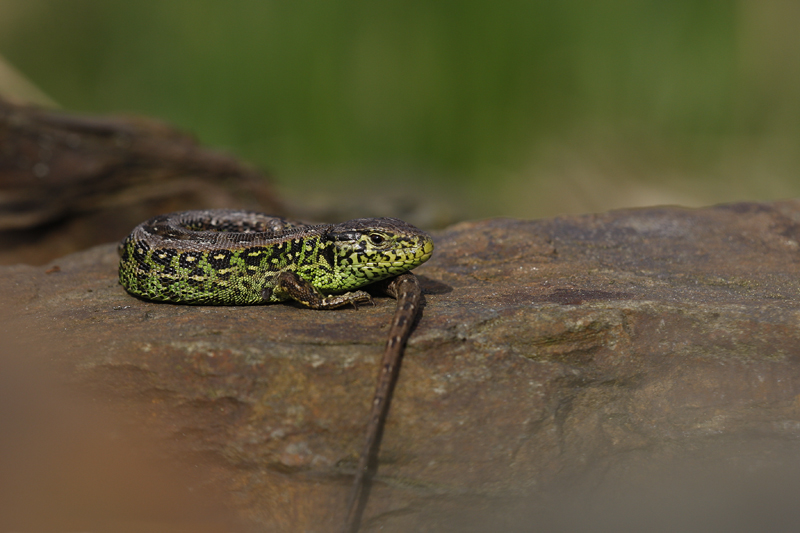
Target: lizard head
{"x":371,"y":249}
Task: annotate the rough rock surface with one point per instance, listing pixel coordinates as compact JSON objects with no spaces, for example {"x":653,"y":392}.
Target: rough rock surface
{"x":557,"y":362}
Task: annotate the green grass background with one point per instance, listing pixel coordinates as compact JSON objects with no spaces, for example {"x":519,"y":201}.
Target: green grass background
{"x":475,"y":108}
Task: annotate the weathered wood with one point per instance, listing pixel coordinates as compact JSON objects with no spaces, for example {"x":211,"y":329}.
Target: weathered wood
{"x":68,"y":182}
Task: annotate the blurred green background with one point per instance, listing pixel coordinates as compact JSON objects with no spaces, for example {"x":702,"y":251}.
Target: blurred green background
{"x":471,"y":108}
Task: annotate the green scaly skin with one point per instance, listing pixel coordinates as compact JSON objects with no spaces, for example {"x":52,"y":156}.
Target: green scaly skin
{"x":227,"y":257}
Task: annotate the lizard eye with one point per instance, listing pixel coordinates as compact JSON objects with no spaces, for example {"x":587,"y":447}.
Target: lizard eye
{"x":376,"y":238}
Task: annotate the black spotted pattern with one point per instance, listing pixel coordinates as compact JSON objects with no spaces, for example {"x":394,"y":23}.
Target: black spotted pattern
{"x":123,"y":249}
{"x":167,"y":280}
{"x":139,"y":252}
{"x":220,"y":259}
{"x":327,"y":254}
{"x":163,"y":256}
{"x":253,"y":256}
{"x":196,"y":277}
{"x":189,"y":259}
{"x":296,"y":247}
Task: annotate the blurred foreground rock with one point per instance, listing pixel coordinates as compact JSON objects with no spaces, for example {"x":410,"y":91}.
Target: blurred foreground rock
{"x":608,"y":372}
{"x":68,"y":181}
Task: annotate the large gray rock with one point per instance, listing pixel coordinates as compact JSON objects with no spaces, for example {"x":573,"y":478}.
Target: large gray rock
{"x":562,"y":364}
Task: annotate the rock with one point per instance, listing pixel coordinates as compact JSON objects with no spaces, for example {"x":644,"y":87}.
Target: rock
{"x":559,"y":364}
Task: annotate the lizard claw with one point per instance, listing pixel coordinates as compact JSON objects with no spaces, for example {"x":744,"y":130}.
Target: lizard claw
{"x":361,"y":297}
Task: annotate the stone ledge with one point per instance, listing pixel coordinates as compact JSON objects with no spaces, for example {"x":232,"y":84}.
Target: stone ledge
{"x":552,"y":355}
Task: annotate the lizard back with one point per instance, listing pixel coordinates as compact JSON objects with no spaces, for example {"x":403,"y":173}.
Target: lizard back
{"x":230,"y":257}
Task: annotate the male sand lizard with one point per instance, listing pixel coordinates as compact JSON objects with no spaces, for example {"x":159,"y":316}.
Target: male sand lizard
{"x":225,"y":257}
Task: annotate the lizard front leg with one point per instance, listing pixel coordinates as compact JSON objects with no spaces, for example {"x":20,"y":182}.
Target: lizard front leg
{"x":290,"y":285}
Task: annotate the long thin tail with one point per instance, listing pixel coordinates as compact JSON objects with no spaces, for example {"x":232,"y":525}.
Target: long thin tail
{"x":405,"y":288}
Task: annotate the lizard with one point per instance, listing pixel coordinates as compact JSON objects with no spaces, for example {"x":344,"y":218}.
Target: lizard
{"x":230,"y":257}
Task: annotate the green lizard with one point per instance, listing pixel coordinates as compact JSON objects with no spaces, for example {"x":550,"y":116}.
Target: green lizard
{"x":225,"y":257}
{"x":229,"y":257}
